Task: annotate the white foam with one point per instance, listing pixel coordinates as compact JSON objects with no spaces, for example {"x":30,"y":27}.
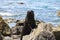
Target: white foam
{"x":6,"y":14}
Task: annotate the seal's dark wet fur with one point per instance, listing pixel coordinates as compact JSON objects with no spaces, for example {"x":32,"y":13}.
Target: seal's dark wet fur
{"x":29,"y":24}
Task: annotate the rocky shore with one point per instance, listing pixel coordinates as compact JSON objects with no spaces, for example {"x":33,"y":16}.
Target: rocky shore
{"x":43,"y":31}
{"x":15,"y":34}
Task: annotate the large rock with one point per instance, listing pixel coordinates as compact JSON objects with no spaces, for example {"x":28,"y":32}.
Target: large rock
{"x":35,"y":32}
{"x":4,"y":28}
{"x":42,"y":29}
{"x":45,"y":32}
{"x":18,"y":28}
{"x":15,"y":31}
{"x":45,"y":35}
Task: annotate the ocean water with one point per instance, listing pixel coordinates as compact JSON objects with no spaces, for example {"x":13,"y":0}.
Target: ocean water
{"x":45,"y":10}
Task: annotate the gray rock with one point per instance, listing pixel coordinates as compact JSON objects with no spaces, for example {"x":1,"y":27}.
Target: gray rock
{"x":4,"y":27}
{"x":39,"y":21}
{"x":8,"y":38}
{"x":18,"y":28}
{"x":44,"y":35}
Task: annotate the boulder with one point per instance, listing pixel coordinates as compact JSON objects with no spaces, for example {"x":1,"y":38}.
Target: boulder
{"x":6,"y":31}
{"x":35,"y":32}
{"x":42,"y":32}
{"x":4,"y":27}
{"x":15,"y":31}
{"x":45,"y":35}
{"x":45,"y":32}
{"x":18,"y":28}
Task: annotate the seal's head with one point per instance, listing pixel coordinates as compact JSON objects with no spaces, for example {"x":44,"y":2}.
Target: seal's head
{"x":30,"y":14}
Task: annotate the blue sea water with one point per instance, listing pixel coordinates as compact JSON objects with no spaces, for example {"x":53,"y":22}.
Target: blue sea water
{"x":45,"y":10}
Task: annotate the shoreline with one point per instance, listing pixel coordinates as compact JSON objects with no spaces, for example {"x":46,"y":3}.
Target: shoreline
{"x":11,"y":20}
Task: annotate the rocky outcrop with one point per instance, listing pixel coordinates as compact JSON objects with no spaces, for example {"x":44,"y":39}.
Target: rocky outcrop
{"x":4,"y":28}
{"x":34,"y":33}
{"x":15,"y":31}
{"x":18,"y":28}
{"x":46,"y":32}
{"x":41,"y":32}
{"x":45,"y":35}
